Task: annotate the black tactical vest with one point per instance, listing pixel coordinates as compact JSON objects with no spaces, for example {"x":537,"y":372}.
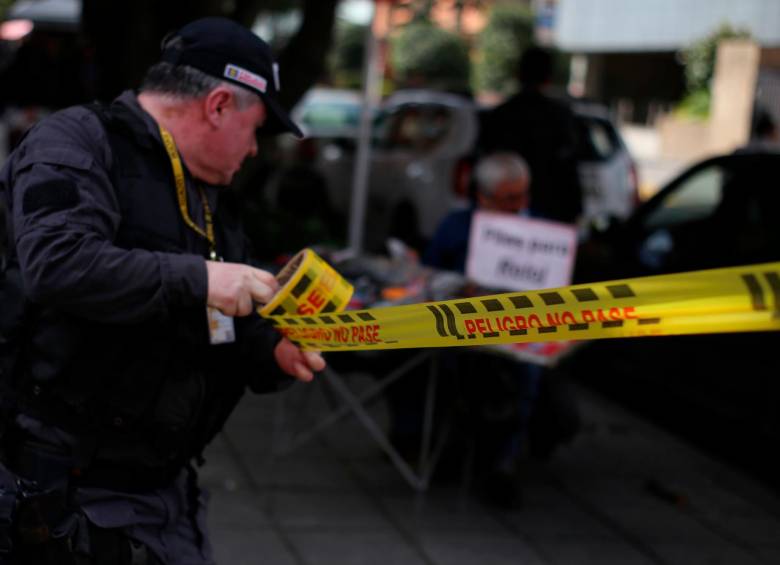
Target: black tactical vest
{"x":145,"y":398}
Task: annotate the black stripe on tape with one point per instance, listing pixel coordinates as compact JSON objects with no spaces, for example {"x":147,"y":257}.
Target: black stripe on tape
{"x":278,"y":311}
{"x":518,"y":332}
{"x":366,"y":317}
{"x":465,"y":307}
{"x":756,"y":292}
{"x":471,"y":336}
{"x":346,"y":318}
{"x":439,"y":320}
{"x":548,"y":330}
{"x":521,"y":301}
{"x":620,"y":291}
{"x":329,"y":307}
{"x":492,"y":305}
{"x":774,"y":283}
{"x":649,"y":321}
{"x":451,"y":321}
{"x":584,"y":294}
{"x":302,"y":285}
{"x":291,"y":321}
{"x":578,"y":327}
{"x":491,"y":334}
{"x":551,"y":298}
{"x":391,"y":341}
{"x":327,"y":319}
{"x":310,"y":321}
{"x":612,"y":324}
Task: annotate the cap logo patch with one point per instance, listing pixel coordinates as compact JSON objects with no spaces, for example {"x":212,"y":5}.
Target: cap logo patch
{"x":246,"y":77}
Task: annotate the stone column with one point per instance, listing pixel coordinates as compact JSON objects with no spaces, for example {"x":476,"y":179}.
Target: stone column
{"x":733,"y":94}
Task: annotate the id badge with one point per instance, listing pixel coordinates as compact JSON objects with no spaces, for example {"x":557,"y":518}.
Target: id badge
{"x":221,"y":328}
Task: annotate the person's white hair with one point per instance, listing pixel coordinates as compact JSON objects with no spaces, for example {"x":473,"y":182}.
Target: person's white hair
{"x":497,"y":168}
{"x":184,"y":82}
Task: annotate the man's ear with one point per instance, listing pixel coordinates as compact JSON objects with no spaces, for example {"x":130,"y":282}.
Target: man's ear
{"x":215,"y":104}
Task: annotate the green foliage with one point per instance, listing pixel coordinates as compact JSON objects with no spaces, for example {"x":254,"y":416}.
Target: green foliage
{"x":346,"y":60}
{"x":695,"y":105}
{"x":425,"y":55}
{"x":508,"y":32}
{"x":699,"y":61}
{"x":699,"y":58}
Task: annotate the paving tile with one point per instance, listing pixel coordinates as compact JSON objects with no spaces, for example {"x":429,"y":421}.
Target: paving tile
{"x":643,"y":517}
{"x":239,"y":509}
{"x":250,"y":547}
{"x":352,"y":440}
{"x":768,"y":555}
{"x":354,"y":548}
{"x":561,"y":522}
{"x":577,"y":551}
{"x":734,"y":515}
{"x":714,"y":554}
{"x":378,"y":475}
{"x":323,"y":473}
{"x":338,"y":511}
{"x":441,"y":511}
{"x":655,"y":526}
{"x":470,"y":548}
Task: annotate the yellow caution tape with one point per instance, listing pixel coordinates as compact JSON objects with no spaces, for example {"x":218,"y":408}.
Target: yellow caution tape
{"x":308,"y":285}
{"x":734,"y":299}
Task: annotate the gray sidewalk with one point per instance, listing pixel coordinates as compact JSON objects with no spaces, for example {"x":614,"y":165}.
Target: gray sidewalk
{"x":624,"y":492}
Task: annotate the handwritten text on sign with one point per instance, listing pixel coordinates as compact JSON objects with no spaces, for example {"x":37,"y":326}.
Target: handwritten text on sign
{"x":516,"y":253}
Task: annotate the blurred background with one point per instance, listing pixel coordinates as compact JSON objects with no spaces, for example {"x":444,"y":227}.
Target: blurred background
{"x":678,"y":80}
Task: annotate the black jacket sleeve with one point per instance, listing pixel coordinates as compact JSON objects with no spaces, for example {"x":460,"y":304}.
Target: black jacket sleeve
{"x":65,"y":217}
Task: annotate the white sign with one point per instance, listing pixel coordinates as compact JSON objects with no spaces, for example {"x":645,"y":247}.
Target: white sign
{"x":515,"y":253}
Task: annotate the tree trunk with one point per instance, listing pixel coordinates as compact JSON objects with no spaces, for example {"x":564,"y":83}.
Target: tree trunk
{"x":303,"y":59}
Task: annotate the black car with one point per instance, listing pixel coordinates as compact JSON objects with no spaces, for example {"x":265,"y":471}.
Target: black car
{"x":720,"y":390}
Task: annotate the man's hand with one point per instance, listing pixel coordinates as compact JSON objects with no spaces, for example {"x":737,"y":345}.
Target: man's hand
{"x":234,"y":288}
{"x":297,"y":363}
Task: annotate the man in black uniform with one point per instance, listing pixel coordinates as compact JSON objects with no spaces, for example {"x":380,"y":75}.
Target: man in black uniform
{"x":542,"y":130}
{"x":140,"y":334}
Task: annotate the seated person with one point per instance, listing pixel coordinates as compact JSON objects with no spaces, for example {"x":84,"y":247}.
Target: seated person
{"x":503,"y":181}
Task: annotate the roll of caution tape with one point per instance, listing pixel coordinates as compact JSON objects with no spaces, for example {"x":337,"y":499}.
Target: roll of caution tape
{"x":734,"y":299}
{"x":308,"y":285}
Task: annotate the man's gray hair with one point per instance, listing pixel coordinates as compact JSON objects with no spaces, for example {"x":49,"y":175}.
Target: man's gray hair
{"x":497,"y":168}
{"x":185,"y":82}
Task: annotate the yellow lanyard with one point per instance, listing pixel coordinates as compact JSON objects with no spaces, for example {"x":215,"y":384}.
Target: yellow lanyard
{"x":181,"y":195}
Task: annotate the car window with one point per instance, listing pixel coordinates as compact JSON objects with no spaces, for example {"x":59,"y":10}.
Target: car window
{"x":696,"y":198}
{"x":331,"y":116}
{"x":413,"y":127}
{"x":598,"y":139}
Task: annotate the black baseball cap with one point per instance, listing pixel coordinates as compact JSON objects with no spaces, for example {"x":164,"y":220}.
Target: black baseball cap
{"x":228,"y":51}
